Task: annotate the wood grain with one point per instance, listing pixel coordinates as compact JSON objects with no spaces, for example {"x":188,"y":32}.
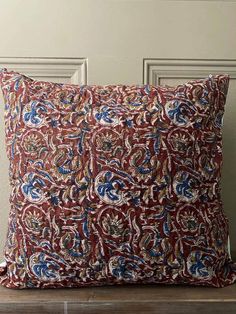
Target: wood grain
{"x":121,"y":299}
{"x":152,"y":307}
{"x":32,"y":308}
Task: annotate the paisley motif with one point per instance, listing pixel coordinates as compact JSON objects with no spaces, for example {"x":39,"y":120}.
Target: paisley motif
{"x":114,"y":225}
{"x":36,"y":222}
{"x":34,"y":143}
{"x":74,"y":247}
{"x":65,"y":161}
{"x":190,"y":219}
{"x":107,"y":141}
{"x":182,"y":143}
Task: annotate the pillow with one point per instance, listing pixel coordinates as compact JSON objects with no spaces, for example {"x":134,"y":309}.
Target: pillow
{"x":115,"y":184}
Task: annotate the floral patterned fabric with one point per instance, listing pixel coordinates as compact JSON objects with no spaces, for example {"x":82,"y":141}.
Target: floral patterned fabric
{"x":115,"y":184}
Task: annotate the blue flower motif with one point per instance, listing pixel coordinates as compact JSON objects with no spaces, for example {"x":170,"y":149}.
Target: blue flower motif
{"x":43,"y":267}
{"x":32,"y":117}
{"x":32,"y":114}
{"x":185,"y":186}
{"x":129,"y":123}
{"x":203,"y":100}
{"x":110,"y":187}
{"x":178,"y":112}
{"x":121,"y":268}
{"x":105,"y":115}
{"x":32,"y":188}
{"x":197,"y":265}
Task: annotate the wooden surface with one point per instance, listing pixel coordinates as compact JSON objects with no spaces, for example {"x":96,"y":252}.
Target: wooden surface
{"x":121,"y":299}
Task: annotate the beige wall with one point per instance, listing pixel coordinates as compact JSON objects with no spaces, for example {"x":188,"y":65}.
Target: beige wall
{"x":115,"y":36}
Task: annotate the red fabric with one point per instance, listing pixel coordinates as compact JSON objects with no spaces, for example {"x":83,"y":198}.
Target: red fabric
{"x":115,"y":184}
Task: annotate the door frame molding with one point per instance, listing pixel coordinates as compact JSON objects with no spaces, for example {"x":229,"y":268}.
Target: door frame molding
{"x":74,"y":69}
{"x":155,"y":69}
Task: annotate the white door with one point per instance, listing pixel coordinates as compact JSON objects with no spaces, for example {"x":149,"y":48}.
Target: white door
{"x":122,"y":41}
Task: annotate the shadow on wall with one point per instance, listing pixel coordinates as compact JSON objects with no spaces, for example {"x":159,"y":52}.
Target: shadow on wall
{"x":229,"y":163}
